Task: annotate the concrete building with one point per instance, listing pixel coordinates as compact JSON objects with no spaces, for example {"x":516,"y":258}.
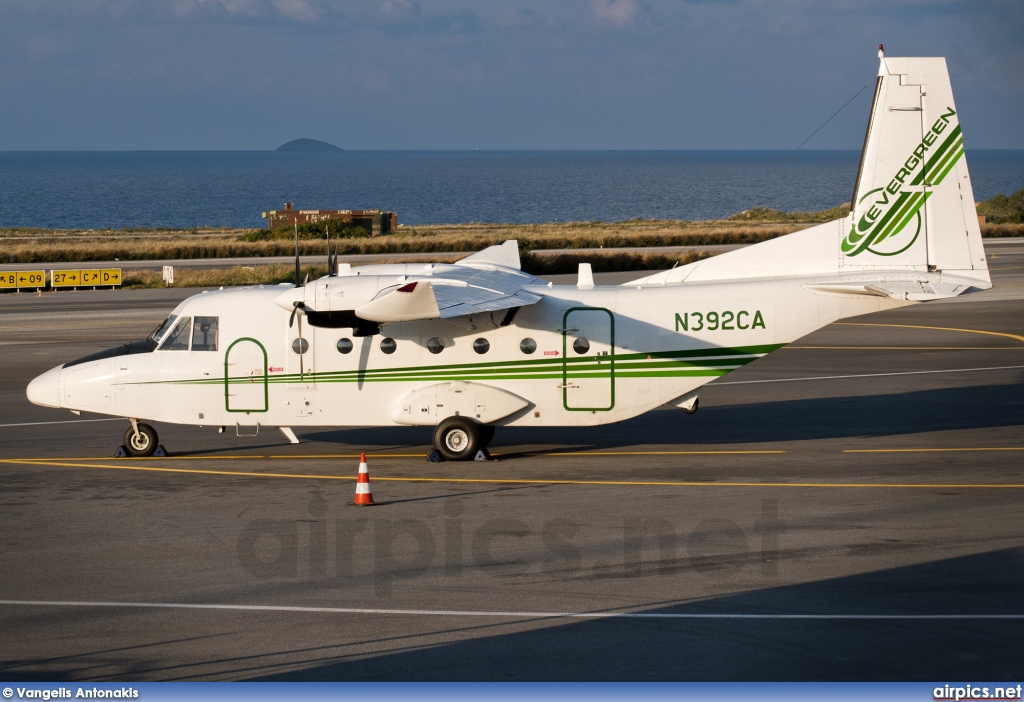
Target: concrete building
{"x":374,"y":221}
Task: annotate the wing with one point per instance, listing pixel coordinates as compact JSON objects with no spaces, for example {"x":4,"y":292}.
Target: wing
{"x":487,"y":281}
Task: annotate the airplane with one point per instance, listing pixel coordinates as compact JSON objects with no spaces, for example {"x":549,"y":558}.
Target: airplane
{"x":480,"y":344}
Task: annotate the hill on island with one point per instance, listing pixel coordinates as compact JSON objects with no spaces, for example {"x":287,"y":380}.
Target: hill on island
{"x":308,"y":145}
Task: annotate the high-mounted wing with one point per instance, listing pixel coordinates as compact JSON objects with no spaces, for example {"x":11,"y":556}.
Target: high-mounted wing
{"x":487,"y":281}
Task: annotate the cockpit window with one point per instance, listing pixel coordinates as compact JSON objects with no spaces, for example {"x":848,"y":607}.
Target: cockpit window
{"x":177,"y":339}
{"x":162,"y":329}
{"x":204,"y":334}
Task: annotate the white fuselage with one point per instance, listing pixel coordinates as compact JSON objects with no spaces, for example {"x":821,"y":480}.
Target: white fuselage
{"x":642,"y":347}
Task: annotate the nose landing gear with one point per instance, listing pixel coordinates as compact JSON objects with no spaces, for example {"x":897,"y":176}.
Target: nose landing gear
{"x":140,"y":440}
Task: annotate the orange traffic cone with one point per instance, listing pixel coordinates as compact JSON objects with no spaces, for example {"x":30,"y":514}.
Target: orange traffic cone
{"x":364,"y":496}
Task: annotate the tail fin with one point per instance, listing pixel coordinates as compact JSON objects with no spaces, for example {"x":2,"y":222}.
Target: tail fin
{"x":913,"y":213}
{"x":913,"y":206}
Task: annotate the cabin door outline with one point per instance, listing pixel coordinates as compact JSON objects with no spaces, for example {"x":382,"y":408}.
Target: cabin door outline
{"x":246,"y":381}
{"x":588,"y":381}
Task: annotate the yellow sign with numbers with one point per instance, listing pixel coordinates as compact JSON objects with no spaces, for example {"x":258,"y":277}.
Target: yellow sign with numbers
{"x":88,"y":277}
{"x":65,"y":279}
{"x":23,"y":279}
{"x":31,"y":279}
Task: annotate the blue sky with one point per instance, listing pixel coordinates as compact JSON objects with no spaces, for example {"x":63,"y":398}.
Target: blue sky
{"x":488,"y":74}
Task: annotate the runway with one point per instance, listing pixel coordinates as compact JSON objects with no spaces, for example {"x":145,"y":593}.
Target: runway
{"x":847,"y":508}
{"x":354,"y":259}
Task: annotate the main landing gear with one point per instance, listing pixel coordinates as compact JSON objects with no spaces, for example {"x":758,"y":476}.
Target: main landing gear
{"x":460,"y":438}
{"x":140,"y":440}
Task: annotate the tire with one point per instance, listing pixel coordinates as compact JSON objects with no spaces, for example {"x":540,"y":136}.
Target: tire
{"x":486,"y":434}
{"x":146,"y":443}
{"x":457,"y":439}
{"x":693,"y":410}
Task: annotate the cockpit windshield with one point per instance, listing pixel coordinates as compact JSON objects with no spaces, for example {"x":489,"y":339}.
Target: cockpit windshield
{"x":162,"y":328}
{"x":177,"y":339}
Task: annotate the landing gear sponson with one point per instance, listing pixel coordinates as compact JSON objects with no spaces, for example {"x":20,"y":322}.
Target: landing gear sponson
{"x":456,"y":438}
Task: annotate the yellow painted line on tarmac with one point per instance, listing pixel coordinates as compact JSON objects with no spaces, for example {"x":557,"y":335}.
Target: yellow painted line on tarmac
{"x":935,"y":450}
{"x":910,"y":348}
{"x":652,"y":453}
{"x":547,"y":453}
{"x":410,"y":455}
{"x":141,"y":458}
{"x":153,"y":469}
{"x":538,"y":481}
{"x":917,"y":326}
{"x":349,"y":455}
{"x":1007,"y":268}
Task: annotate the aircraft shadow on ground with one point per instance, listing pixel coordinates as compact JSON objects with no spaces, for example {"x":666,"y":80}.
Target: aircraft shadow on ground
{"x":744,"y":649}
{"x":946,"y":409}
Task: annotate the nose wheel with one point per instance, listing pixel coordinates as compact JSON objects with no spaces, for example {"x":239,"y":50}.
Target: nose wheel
{"x":140,"y":440}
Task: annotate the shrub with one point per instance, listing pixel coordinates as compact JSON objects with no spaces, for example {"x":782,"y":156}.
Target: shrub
{"x":1004,"y":210}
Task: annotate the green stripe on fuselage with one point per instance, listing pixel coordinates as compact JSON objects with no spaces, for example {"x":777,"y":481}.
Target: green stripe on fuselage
{"x":679,"y":363}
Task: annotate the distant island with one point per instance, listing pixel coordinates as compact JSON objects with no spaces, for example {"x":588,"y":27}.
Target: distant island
{"x":308,"y":145}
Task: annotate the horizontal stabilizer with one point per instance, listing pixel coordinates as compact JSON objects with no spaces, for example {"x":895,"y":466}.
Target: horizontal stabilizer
{"x":919,"y":290}
{"x":505,"y":254}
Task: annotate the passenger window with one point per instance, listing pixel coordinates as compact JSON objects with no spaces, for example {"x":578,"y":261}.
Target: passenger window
{"x":435,"y":345}
{"x":204,"y":334}
{"x":177,"y":339}
{"x":344,"y":345}
{"x":527,"y":345}
{"x":481,"y":345}
{"x":388,"y":345}
{"x":581,"y":346}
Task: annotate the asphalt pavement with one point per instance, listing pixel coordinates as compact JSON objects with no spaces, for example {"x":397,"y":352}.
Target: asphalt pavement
{"x":847,"y":508}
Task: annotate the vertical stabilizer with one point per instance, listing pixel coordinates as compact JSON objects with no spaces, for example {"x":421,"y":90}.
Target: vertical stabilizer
{"x":913,"y":216}
{"x":913,"y":204}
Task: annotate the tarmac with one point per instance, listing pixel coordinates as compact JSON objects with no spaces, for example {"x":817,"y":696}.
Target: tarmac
{"x":847,"y":508}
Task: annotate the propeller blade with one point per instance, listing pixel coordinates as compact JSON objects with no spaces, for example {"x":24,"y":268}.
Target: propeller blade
{"x":302,"y":367}
{"x":330,"y":266}
{"x":297,"y":307}
{"x":298,"y":268}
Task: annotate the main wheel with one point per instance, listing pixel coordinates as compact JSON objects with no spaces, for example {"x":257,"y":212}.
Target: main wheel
{"x":457,"y":438}
{"x":486,"y":435}
{"x":696,"y":403}
{"x":143,"y":445}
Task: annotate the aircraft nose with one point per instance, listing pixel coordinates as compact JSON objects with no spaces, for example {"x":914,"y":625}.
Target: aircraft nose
{"x":45,"y":390}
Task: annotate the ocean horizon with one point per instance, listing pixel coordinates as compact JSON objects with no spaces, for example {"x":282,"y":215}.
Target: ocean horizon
{"x":185,"y":189}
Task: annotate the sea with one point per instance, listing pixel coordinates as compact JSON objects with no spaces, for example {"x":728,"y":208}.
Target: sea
{"x":184,"y":189}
